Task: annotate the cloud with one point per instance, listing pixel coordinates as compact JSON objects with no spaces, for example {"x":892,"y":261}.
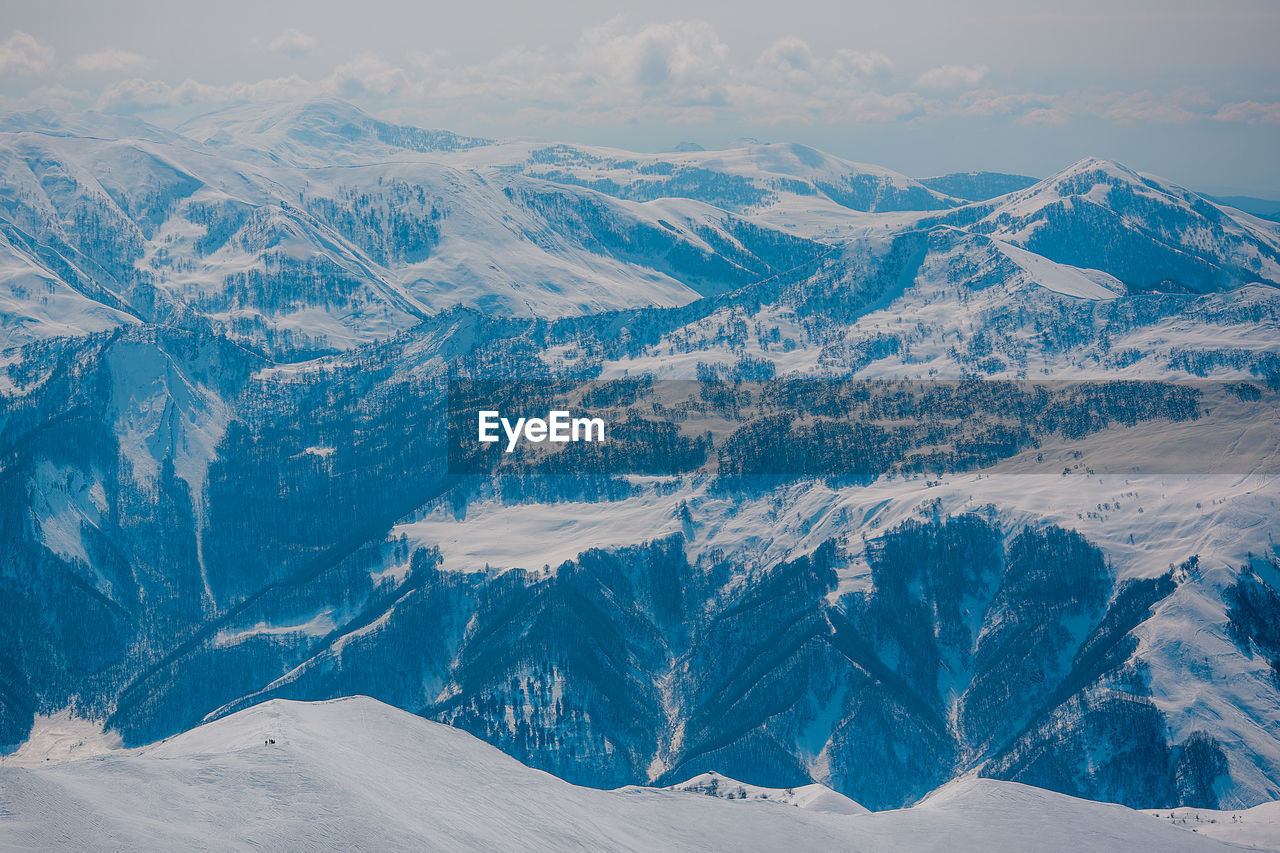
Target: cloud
{"x":681,"y":58}
{"x":24,"y":54}
{"x":518,"y":74}
{"x":993,"y":102}
{"x":56,"y":96}
{"x":790,"y":83}
{"x":951,"y":77}
{"x":789,"y":60}
{"x":879,"y":108}
{"x":292,"y":43}
{"x":136,"y":94}
{"x":1252,"y":112}
{"x":1048,"y":116}
{"x":110,"y":59}
{"x":1146,"y":107}
{"x":855,"y":63}
{"x":367,"y":74}
{"x":672,"y":71}
{"x":1182,"y":106}
{"x":140,"y":95}
{"x":677,"y":72}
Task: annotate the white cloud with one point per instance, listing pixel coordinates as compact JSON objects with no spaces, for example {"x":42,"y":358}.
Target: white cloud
{"x":518,"y":74}
{"x":56,"y":96}
{"x":1249,"y":111}
{"x":877,"y":107}
{"x":1053,"y":116}
{"x":789,"y":60}
{"x":138,"y":94}
{"x":368,"y":74}
{"x":24,"y":54}
{"x":790,"y":63}
{"x":680,"y":58}
{"x":110,"y":59}
{"x":293,"y":43}
{"x":1146,"y":107}
{"x":674,"y":72}
{"x":951,"y":77}
{"x":855,"y":63}
{"x":993,"y":102}
{"x":1179,"y":107}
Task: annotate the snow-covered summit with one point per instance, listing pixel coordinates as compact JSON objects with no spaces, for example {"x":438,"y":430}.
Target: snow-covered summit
{"x":813,"y":796}
{"x":1147,"y":232}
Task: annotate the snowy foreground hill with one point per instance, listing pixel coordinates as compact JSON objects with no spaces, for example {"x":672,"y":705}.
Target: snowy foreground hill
{"x":355,"y":774}
{"x":226,"y":355}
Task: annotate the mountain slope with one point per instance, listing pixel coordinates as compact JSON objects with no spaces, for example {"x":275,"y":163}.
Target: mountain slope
{"x":977,"y":186}
{"x":356,"y":773}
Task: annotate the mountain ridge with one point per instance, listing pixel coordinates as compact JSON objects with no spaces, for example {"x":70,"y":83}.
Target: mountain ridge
{"x":359,"y":772}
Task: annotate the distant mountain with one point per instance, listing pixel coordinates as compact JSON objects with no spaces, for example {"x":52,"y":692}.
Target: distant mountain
{"x":165,"y":229}
{"x":356,"y":773}
{"x":1148,"y":233}
{"x":744,"y":179}
{"x":315,"y":133}
{"x":1261,"y":207}
{"x":977,"y":186}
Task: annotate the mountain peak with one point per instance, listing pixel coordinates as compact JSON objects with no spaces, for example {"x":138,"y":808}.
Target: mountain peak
{"x":1147,"y":232}
{"x":1093,"y":166}
{"x":317,"y":132}
{"x":278,"y":118}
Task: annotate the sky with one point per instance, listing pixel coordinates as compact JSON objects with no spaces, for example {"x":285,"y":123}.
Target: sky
{"x":1189,"y":91}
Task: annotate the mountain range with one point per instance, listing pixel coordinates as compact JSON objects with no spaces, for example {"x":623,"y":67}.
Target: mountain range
{"x":224,"y":477}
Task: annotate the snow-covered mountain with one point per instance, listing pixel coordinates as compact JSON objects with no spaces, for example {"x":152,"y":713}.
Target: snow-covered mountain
{"x":224,"y":473}
{"x":358,"y":774}
{"x":1147,"y":232}
{"x":314,"y":227}
{"x":316,"y":133}
{"x":754,"y":177}
{"x":296,"y":246}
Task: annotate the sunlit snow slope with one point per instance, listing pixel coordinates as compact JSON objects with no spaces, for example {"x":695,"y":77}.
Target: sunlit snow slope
{"x":358,"y":774}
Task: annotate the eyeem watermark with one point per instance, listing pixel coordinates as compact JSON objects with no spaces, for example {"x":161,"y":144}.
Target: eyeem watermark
{"x":861,"y":429}
{"x":559,"y":426}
